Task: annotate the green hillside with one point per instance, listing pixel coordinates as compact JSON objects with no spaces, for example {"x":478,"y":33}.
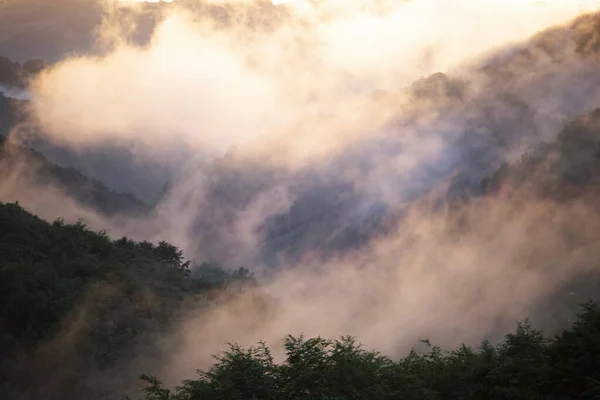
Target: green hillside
{"x":74,"y":303}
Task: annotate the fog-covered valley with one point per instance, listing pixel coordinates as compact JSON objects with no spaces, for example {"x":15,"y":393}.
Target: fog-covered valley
{"x":430,"y":177}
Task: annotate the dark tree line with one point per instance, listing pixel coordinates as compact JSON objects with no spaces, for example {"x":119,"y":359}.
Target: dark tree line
{"x":15,"y":74}
{"x":74,"y":302}
{"x":527,"y":365}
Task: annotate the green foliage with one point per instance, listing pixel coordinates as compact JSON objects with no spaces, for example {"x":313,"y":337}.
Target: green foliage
{"x":63,"y":286}
{"x":526,"y":365}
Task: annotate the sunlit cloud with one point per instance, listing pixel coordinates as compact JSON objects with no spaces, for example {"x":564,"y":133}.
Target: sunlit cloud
{"x":297,"y":91}
{"x":146,"y":1}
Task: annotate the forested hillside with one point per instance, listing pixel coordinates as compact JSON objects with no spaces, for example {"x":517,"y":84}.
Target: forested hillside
{"x":565,"y":168}
{"x":74,"y":303}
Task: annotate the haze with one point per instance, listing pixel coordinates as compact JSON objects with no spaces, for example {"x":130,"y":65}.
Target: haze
{"x":287,"y":110}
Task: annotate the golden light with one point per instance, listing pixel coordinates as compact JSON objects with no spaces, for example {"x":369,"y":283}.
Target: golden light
{"x":146,"y":1}
{"x":275,"y":2}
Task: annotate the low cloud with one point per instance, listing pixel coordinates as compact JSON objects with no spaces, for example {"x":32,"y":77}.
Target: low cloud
{"x":287,"y":110}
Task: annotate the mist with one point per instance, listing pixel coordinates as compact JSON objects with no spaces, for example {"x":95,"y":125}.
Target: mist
{"x":320,"y":116}
{"x":281,"y":88}
{"x":13,"y":93}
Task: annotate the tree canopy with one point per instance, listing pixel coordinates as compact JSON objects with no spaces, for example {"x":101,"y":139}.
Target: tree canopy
{"x":63,"y":281}
{"x":526,"y":365}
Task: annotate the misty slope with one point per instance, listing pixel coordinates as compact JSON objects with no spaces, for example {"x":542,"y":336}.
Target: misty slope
{"x":564,"y":168}
{"x":117,"y":166}
{"x":56,"y":268}
{"x":7,"y":115}
{"x":479,"y":117}
{"x":507,"y":104}
{"x":25,"y":167}
{"x":392,"y":238}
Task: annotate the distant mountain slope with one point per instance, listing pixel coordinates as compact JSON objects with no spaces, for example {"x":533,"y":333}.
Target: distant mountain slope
{"x":116,"y":167}
{"x":32,"y":168}
{"x":46,"y":29}
{"x":561,"y":168}
{"x":7,"y":115}
{"x":494,"y":112}
{"x":120,"y":167}
{"x":16,"y":75}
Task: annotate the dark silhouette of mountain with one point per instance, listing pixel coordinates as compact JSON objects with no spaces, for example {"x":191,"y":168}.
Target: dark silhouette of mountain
{"x":33,"y":169}
{"x":561,"y":169}
{"x":117,"y":166}
{"x":16,"y":75}
{"x":7,"y":115}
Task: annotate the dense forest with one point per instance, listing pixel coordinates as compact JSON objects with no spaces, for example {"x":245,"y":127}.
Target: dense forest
{"x":74,"y":302}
